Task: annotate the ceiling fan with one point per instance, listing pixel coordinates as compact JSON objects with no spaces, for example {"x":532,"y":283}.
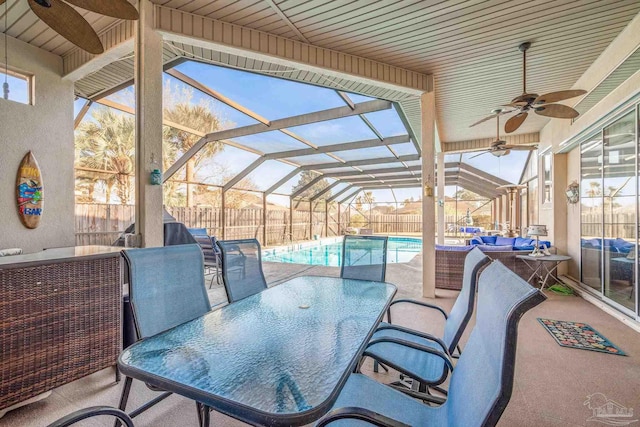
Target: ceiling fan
{"x":67,"y":22}
{"x":541,"y":104}
{"x":500,"y":147}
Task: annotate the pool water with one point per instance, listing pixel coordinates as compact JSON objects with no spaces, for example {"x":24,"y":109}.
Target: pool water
{"x":399,"y":249}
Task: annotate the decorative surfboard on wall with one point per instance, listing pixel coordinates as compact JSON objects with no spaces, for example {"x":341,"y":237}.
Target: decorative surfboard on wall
{"x":29,"y":191}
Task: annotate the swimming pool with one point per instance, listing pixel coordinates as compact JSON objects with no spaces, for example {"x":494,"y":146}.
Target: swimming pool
{"x":329,"y":252}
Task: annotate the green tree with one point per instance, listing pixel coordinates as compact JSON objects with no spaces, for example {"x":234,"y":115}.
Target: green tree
{"x":305,"y":178}
{"x":107,"y":143}
{"x":365,"y":198}
{"x":198,"y":117}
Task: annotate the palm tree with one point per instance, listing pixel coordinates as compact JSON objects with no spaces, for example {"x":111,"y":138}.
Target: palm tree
{"x":197,"y":117}
{"x":107,"y":143}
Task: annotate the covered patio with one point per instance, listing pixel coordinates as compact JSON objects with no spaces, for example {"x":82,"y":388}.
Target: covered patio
{"x":379,"y":130}
{"x":550,"y":383}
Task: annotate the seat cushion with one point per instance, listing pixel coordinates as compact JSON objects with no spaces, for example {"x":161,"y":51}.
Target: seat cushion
{"x":417,"y":364}
{"x":363,"y":392}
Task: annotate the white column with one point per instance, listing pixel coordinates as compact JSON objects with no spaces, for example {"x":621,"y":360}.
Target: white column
{"x":148,"y":86}
{"x":428,"y":109}
{"x":441,"y":219}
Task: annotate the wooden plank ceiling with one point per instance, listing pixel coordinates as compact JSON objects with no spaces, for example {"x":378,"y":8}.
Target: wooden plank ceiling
{"x":470,"y":46}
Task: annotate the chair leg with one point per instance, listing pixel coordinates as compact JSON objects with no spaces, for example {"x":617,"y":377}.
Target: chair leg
{"x":124,"y":397}
{"x":204,"y":415}
{"x":376,"y":364}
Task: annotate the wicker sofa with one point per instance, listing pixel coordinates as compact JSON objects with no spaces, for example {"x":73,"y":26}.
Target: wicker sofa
{"x":450,"y":263}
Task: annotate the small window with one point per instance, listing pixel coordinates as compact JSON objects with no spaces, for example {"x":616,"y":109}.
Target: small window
{"x":547,"y":194}
{"x":20,"y":86}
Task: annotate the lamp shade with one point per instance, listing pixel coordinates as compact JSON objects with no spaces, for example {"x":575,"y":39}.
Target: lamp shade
{"x":537,"y":230}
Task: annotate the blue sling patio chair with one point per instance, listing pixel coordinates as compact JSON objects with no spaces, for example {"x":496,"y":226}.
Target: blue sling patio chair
{"x":364,"y":258}
{"x":211,"y":253}
{"x":241,"y":268}
{"x":482,"y":381}
{"x":425,"y":367}
{"x":166,"y":289}
{"x":95,"y":411}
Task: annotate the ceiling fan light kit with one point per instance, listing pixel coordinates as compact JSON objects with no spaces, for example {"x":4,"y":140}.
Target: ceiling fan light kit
{"x":500,"y":147}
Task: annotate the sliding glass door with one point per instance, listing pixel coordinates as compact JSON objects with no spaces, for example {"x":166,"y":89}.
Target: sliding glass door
{"x":609,"y":211}
{"x":619,"y":206}
{"x":591,"y":212}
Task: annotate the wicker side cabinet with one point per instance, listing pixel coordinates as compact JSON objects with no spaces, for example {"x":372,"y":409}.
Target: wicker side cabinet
{"x":60,"y":318}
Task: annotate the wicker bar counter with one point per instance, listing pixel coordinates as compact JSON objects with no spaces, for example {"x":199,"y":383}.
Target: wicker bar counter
{"x":60,"y":318}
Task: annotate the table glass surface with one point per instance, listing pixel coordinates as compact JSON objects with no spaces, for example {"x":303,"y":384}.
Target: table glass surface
{"x":268,"y":352}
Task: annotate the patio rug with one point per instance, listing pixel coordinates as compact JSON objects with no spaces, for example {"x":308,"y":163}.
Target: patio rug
{"x":579,"y":335}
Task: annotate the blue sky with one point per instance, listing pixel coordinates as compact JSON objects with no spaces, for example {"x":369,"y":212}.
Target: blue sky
{"x":274,"y":98}
{"x":18,"y":88}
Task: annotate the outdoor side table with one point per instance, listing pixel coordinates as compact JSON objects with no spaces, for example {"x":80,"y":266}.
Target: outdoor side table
{"x":543,"y":267}
{"x":276,"y":358}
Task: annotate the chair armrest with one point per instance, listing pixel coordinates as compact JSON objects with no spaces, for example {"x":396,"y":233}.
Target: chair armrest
{"x":420,"y":303}
{"x":361,"y":414}
{"x":85,"y":413}
{"x":417,"y":334}
{"x":409,"y":344}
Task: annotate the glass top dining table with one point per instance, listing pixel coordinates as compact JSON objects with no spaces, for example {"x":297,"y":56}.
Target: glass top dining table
{"x":276,"y":358}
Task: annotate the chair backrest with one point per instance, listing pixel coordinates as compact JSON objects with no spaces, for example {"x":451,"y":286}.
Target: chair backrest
{"x":463,"y":307}
{"x":482,"y":381}
{"x":166,"y":287}
{"x":241,"y":268}
{"x":207,"y":244}
{"x":364,"y":258}
{"x":198,"y":231}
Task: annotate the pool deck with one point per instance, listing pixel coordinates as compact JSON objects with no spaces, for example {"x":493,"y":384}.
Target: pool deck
{"x":551,"y":386}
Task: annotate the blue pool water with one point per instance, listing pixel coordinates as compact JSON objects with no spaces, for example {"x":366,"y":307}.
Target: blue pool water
{"x":399,"y":249}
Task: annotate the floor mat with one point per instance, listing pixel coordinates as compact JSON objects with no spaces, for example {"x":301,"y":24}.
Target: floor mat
{"x":579,"y":335}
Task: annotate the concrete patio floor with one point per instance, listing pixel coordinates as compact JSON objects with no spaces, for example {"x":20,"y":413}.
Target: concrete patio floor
{"x":552,"y":383}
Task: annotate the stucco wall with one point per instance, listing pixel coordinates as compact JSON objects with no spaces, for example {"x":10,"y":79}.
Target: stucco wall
{"x":46,"y":129}
{"x":564,"y":220}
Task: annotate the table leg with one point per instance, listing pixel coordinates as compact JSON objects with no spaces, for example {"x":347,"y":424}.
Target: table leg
{"x":550,"y":274}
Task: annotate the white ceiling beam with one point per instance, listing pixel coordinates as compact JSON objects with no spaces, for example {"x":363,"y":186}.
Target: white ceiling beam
{"x":303,"y":119}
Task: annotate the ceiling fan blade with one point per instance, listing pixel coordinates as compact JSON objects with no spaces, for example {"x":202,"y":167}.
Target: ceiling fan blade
{"x":514,"y":122}
{"x":558,"y":96}
{"x":477,"y":155}
{"x":520,"y":147}
{"x":482,"y":120}
{"x":64,"y":19}
{"x":557,"y":111}
{"x":121,"y":9}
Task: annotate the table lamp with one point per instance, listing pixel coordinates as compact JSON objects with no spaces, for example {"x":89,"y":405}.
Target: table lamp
{"x":537,"y":230}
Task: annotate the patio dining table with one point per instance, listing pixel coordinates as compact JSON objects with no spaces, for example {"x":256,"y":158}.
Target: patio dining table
{"x":276,"y":358}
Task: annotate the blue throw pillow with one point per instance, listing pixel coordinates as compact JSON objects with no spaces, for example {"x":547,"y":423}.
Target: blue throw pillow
{"x":521,"y":241}
{"x":476,"y":240}
{"x":504,"y":241}
{"x":488,"y":240}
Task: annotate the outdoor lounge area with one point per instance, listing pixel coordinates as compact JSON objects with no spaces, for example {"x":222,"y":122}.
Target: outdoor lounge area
{"x":282,"y":213}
